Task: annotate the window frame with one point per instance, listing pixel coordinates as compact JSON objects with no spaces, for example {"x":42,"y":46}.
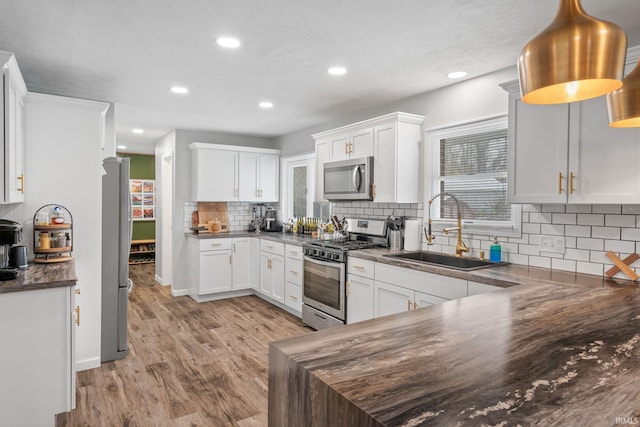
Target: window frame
{"x":511,"y":228}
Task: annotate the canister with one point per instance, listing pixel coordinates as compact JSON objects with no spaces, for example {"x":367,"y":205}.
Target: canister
{"x":45,"y":241}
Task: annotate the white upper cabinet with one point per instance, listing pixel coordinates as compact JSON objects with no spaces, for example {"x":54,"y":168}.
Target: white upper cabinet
{"x":12,"y":110}
{"x":222,"y":173}
{"x":394,"y":142}
{"x":567,"y":153}
{"x":351,"y":144}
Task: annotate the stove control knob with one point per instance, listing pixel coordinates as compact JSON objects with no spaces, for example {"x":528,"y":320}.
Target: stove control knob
{"x":315,"y":252}
{"x":321,"y":254}
{"x":336,"y":257}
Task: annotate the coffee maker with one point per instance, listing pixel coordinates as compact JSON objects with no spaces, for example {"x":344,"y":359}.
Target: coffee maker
{"x":10,"y":234}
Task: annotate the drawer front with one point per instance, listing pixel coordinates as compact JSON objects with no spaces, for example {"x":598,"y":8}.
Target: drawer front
{"x":215,"y":244}
{"x":272,"y":247}
{"x":294,"y":271}
{"x":421,"y":281}
{"x":360,"y":267}
{"x":293,"y":296}
{"x":294,"y":252}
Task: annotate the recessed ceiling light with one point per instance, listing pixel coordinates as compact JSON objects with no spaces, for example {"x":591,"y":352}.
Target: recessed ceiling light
{"x":122,"y":147}
{"x":228,"y":42}
{"x":138,"y":130}
{"x":179,"y":89}
{"x":337,"y":71}
{"x":266,"y":104}
{"x":457,"y":75}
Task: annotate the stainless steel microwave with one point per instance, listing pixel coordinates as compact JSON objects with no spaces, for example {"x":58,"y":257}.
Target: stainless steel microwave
{"x":348,"y":179}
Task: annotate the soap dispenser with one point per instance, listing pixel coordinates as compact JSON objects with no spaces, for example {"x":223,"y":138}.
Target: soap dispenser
{"x":495,"y":251}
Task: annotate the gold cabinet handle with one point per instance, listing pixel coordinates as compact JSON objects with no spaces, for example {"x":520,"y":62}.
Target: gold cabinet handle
{"x":560,"y":183}
{"x":229,"y":259}
{"x":346,"y":148}
{"x":358,"y":267}
{"x":351,"y":148}
{"x":21,"y":178}
{"x":76,"y":291}
{"x":77,"y":310}
{"x":415,"y":305}
{"x":373,"y":190}
{"x":347,"y":288}
{"x":408,"y":305}
{"x":234,"y":248}
{"x":571,"y":189}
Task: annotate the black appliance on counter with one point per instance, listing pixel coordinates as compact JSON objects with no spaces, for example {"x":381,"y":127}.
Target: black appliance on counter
{"x":11,"y":257}
{"x":324,"y":290}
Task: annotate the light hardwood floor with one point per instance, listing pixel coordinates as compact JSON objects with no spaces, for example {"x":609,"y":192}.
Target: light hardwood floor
{"x":188,"y":364}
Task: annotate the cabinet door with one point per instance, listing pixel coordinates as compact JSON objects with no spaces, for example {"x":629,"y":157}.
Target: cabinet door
{"x":266,"y":278}
{"x":248,"y":177}
{"x":361,"y":143}
{"x":323,"y":155}
{"x":425,"y":300}
{"x":359,"y":298}
{"x":269,"y":177}
{"x":277,"y":272}
{"x":216,"y":175}
{"x":538,"y":149}
{"x":241,"y":263}
{"x":604,"y":161}
{"x":384,"y":163}
{"x":391,"y":299}
{"x":255,"y":263}
{"x":339,"y":146}
{"x":215,"y":272}
{"x":14,"y":140}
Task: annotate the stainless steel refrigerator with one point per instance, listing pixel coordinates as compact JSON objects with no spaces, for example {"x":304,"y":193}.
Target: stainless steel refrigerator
{"x":116,"y":241}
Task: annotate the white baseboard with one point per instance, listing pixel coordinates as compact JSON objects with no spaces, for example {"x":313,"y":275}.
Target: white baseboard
{"x":83,"y":365}
{"x":179,"y":292}
{"x":223,"y":295}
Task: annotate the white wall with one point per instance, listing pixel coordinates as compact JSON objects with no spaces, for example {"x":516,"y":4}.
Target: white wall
{"x":164,"y":153}
{"x":182,"y":195}
{"x":63,"y":165}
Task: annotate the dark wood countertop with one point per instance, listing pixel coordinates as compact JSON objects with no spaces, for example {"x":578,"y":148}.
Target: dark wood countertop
{"x":531,"y":354}
{"x":42,"y":276}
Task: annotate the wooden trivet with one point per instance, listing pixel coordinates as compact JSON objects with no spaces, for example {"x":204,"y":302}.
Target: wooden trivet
{"x":622,"y":265}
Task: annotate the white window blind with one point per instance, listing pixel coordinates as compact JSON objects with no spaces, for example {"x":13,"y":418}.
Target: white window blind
{"x":470,"y":162}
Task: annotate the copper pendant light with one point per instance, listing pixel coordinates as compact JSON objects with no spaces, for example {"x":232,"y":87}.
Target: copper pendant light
{"x":624,"y":103}
{"x":576,"y":57}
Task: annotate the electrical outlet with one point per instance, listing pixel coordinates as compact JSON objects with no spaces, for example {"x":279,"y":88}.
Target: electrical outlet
{"x":552,"y":244}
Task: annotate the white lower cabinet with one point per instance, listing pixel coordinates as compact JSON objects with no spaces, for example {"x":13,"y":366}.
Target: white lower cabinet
{"x":424,"y":300}
{"x":293,"y":277}
{"x":255,"y":263}
{"x":215,"y":270}
{"x":272,"y":269}
{"x":37,"y":358}
{"x":240,"y":262}
{"x":392,"y":299}
{"x":359,"y":298}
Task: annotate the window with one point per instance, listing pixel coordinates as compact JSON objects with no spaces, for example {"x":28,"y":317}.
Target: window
{"x":470,"y":162}
{"x":298,"y":186}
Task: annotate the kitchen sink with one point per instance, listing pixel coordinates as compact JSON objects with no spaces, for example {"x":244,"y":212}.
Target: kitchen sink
{"x":459,"y":263}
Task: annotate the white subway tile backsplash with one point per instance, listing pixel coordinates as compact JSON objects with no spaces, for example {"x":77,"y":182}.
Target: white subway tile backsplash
{"x":541,"y":218}
{"x":531,"y":208}
{"x":589,"y":268}
{"x":517,"y":258}
{"x":577,"y":231}
{"x":563,"y":264}
{"x":525,"y":217}
{"x":599,"y":257}
{"x":620,"y":220}
{"x":605,"y":232}
{"x":590,"y":244}
{"x":581,"y":209}
{"x":607,"y":209}
{"x":630,"y":234}
{"x":631,"y":209}
{"x":592,"y":219}
{"x":620,"y":246}
{"x":531,"y":228}
{"x":553,"y":208}
{"x":537,"y":261}
{"x":577,"y":254}
{"x":552,"y":229}
{"x":529,"y":249}
{"x":563,"y":218}
{"x":570,"y":242}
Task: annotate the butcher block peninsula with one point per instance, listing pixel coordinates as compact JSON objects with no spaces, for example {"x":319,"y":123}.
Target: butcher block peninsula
{"x":535,"y":353}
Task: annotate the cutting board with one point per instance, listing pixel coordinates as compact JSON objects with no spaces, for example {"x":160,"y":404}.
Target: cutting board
{"x":209,"y":211}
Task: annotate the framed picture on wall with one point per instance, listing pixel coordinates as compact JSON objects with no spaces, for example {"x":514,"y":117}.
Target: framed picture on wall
{"x":143,"y":199}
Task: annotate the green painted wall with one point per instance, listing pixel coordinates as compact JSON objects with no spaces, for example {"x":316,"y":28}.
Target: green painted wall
{"x":142,"y":167}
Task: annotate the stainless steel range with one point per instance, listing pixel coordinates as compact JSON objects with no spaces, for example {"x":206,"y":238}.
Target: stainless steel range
{"x":324,"y":296}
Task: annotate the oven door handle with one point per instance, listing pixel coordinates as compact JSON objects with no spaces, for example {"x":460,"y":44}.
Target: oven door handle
{"x":333,"y":264}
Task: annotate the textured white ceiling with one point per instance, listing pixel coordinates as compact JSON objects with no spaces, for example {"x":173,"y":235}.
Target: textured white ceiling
{"x":131,"y":51}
